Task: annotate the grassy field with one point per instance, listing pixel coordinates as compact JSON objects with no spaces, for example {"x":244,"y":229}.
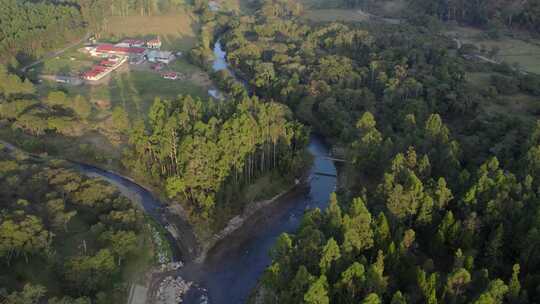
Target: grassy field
{"x":480,"y":80}
{"x":72,"y":62}
{"x":523,"y":52}
{"x":335,"y":10}
{"x":177,"y":31}
{"x":335,"y":14}
{"x":136,"y":90}
{"x":519,"y":105}
{"x":236,"y":5}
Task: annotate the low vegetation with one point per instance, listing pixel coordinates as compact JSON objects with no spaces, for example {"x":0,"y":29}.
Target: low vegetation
{"x":177,"y":31}
{"x":439,"y":199}
{"x":65,"y":237}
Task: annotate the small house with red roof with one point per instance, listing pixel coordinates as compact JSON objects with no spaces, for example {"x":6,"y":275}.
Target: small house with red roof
{"x":106,"y":49}
{"x":170,"y":75}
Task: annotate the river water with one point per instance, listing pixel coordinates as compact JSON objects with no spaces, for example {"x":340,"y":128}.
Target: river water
{"x":233,"y":268}
{"x":220,"y":60}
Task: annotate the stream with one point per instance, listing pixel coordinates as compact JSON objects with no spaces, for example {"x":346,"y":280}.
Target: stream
{"x":233,"y":267}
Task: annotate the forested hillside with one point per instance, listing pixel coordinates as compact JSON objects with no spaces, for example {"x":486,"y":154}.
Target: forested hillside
{"x":206,"y":155}
{"x":65,"y":237}
{"x":483,"y":13}
{"x":30,"y":29}
{"x":427,"y":230}
{"x":438,"y":203}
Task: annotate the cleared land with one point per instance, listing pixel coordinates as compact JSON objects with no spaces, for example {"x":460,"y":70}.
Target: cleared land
{"x":236,"y":5}
{"x":328,"y":15}
{"x":327,"y":11}
{"x":177,"y":31}
{"x":525,"y":53}
{"x":517,"y":105}
{"x":133,"y":87}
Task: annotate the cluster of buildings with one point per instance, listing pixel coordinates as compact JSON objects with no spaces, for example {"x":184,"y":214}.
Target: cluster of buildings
{"x":104,"y":68}
{"x":135,"y":50}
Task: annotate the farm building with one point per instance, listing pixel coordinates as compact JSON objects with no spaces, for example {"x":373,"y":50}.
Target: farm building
{"x":170,"y":75}
{"x":96,"y":73}
{"x":133,"y":42}
{"x":160,"y":56}
{"x":104,"y":50}
{"x":154,"y":43}
{"x":103,"y":69}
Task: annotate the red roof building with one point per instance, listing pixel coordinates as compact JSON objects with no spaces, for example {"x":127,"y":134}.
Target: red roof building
{"x":107,"y":63}
{"x":113,"y":50}
{"x":170,"y":75}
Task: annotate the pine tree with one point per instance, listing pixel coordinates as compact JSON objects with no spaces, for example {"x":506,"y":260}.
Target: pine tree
{"x":514,"y":286}
{"x":371,"y":298}
{"x":318,"y":292}
{"x":398,"y":298}
{"x":330,"y":254}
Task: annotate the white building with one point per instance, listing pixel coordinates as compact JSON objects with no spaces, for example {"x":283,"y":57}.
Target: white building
{"x":160,"y":56}
{"x":154,"y":43}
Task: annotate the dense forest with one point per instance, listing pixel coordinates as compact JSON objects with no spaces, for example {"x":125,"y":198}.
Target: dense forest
{"x":425,"y":230}
{"x":438,"y":203}
{"x":29,"y":28}
{"x":489,"y":13}
{"x":484,"y":13}
{"x":64,"y":237}
{"x":205,"y":155}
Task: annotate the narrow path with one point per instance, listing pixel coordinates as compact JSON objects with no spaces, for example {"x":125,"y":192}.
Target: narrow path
{"x":55,"y":53}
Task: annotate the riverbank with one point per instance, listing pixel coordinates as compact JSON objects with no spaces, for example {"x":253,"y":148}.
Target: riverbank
{"x":238,"y":222}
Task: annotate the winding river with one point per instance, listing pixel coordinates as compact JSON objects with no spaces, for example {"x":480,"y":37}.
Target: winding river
{"x":233,"y":267}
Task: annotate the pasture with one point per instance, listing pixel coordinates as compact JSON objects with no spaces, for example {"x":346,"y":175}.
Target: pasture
{"x":513,"y":49}
{"x":336,"y":14}
{"x":177,"y":31}
{"x":519,"y":105}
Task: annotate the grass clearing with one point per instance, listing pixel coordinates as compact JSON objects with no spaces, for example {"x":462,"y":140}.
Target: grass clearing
{"x":479,"y":79}
{"x":71,"y":62}
{"x":236,"y":5}
{"x":135,"y":90}
{"x":519,"y":105}
{"x":329,"y":15}
{"x":525,"y":53}
{"x":177,"y":31}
